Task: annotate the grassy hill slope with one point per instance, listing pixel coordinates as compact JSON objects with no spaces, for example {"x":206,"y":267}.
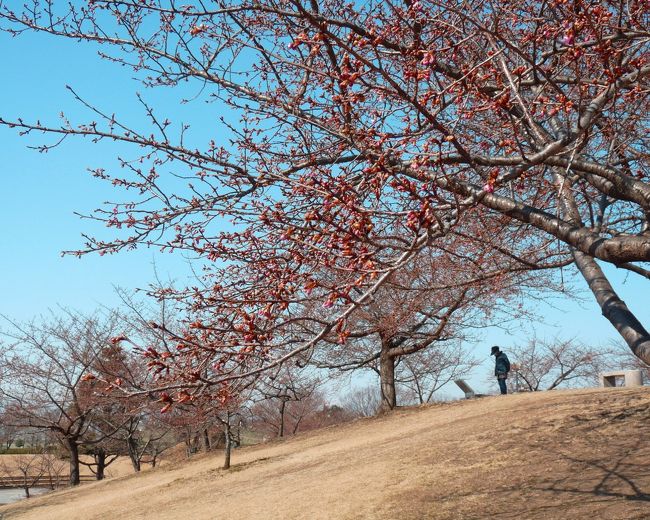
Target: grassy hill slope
{"x":562,"y":454}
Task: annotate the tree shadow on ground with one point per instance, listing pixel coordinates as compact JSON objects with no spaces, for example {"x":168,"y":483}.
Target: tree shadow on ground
{"x":618,"y":478}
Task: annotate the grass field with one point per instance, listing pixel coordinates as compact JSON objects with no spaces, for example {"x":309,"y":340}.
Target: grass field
{"x":556,"y":455}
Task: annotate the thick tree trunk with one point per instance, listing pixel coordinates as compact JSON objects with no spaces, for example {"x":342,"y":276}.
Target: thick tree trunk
{"x":613,"y":307}
{"x":100,"y":461}
{"x":73,"y":451}
{"x":228,"y":447}
{"x":387,"y":381}
{"x":132,"y":446}
{"x":206,"y":440}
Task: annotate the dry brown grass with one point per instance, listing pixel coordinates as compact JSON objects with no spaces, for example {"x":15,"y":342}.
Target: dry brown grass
{"x":556,"y":455}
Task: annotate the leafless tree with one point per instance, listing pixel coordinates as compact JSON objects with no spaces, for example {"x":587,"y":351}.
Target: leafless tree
{"x":25,"y":470}
{"x":420,"y":312}
{"x":55,"y":469}
{"x":545,"y":365}
{"x":284,"y":399}
{"x":48,"y":385}
{"x":362,"y":402}
{"x":8,"y":434}
{"x":624,"y":359}
{"x":427,"y":372}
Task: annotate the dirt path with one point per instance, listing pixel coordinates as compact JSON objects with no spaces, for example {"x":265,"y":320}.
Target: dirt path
{"x":530,"y":456}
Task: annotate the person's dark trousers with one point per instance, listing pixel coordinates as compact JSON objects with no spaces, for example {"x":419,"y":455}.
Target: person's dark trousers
{"x":502,"y":386}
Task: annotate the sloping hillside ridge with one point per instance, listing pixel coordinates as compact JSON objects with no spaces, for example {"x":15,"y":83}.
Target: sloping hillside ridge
{"x":562,"y":454}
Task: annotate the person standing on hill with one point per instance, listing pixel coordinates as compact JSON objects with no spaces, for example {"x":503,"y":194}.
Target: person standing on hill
{"x":501,"y":368}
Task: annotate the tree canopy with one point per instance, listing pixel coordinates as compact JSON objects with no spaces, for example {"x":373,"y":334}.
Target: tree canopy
{"x":506,"y":136}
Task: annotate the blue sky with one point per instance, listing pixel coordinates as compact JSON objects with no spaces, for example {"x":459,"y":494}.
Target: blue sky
{"x":40,"y":192}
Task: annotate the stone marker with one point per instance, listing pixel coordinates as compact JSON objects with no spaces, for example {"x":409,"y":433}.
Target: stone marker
{"x":630,"y":378}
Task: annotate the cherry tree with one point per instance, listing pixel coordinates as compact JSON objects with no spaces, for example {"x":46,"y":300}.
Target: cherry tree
{"x":363,"y":402}
{"x":403,"y":333}
{"x":286,"y":400}
{"x":8,"y":434}
{"x":363,"y":136}
{"x":545,"y":365}
{"x":423,"y":374}
{"x":125,"y":424}
{"x":199,"y":415}
{"x":46,"y":385}
{"x":27,"y":469}
{"x":624,"y":358}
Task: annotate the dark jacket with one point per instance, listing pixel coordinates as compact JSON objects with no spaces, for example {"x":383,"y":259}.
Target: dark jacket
{"x":501,"y":364}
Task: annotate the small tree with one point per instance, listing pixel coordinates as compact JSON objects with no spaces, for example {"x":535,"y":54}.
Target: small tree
{"x":545,"y":365}
{"x":423,"y":374}
{"x":285,"y":399}
{"x":29,"y":469}
{"x":362,"y":402}
{"x":8,"y":434}
{"x":54,"y":469}
{"x":623,"y":358}
{"x":329,"y":415}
